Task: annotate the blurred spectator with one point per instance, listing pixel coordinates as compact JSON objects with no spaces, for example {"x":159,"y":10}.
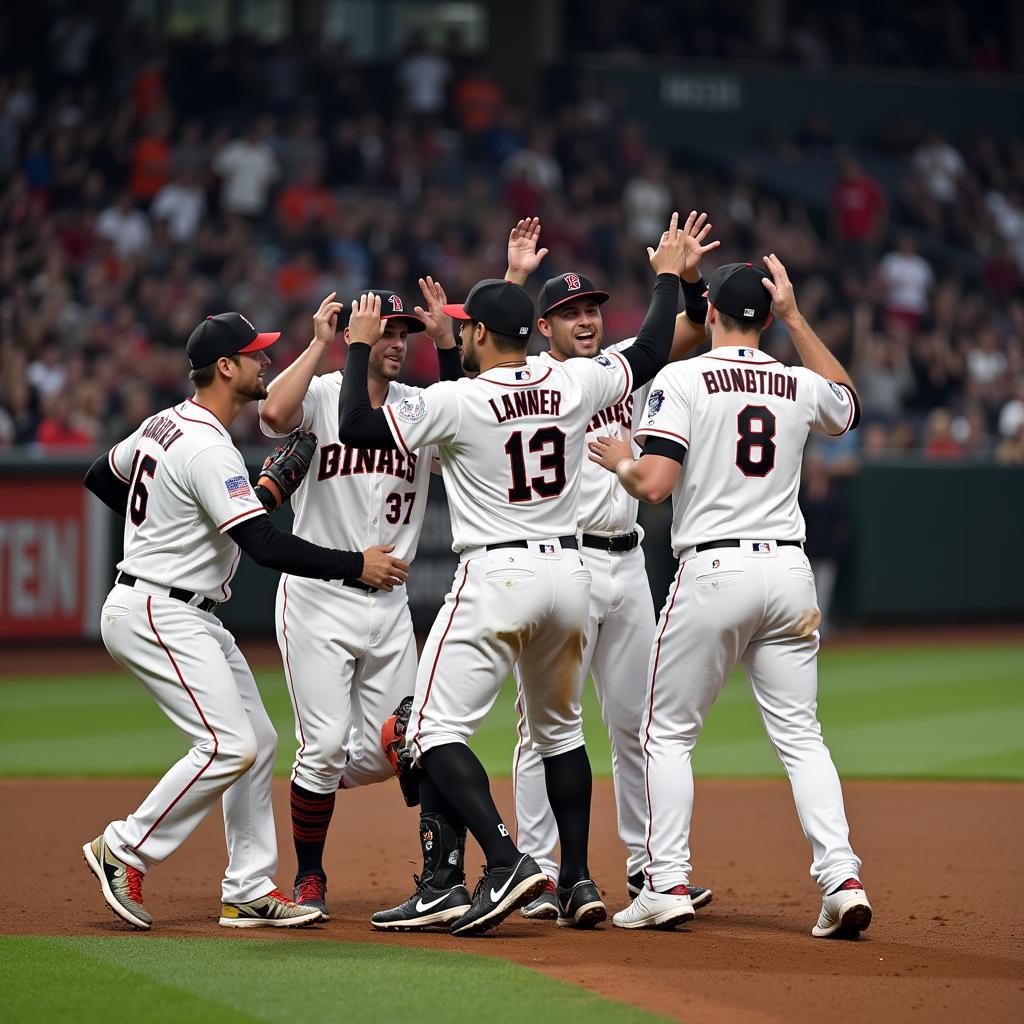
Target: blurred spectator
{"x":858,"y":210}
{"x":1011,"y":416}
{"x":248,"y":167}
{"x":48,"y":373}
{"x":478,"y":100}
{"x":124,"y":226}
{"x":181,"y":203}
{"x":906,"y":279}
{"x":939,"y":442}
{"x":304,"y":203}
{"x":940,"y":168}
{"x":151,"y":161}
{"x":647,"y":202}
{"x":423,"y":76}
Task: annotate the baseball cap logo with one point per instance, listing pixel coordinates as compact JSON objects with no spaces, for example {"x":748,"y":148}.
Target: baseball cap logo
{"x":572,"y":282}
{"x":396,"y":304}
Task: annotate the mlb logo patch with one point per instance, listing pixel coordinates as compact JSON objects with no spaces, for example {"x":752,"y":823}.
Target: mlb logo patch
{"x":523,"y":374}
{"x":547,"y":549}
{"x":238,"y":487}
{"x":746,"y":353}
{"x":762,"y":547}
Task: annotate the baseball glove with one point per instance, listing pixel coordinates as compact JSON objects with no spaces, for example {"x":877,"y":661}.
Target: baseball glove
{"x":286,"y":469}
{"x":392,"y":737}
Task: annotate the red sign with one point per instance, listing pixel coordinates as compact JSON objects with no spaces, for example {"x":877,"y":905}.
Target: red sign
{"x":43,"y":557}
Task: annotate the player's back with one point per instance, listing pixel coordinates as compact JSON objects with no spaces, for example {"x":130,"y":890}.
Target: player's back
{"x":187,"y":485}
{"x":744,"y":419}
{"x":511,"y":443}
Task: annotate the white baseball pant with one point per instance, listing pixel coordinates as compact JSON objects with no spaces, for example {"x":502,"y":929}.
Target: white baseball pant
{"x":506,"y":605}
{"x":191,"y":665}
{"x":349,"y":658}
{"x":730,"y":605}
{"x":620,"y":633}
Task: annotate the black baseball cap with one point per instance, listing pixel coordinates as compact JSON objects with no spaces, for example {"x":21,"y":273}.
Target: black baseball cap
{"x":736,"y":290}
{"x":224,"y":335}
{"x":565,"y":288}
{"x":501,"y":306}
{"x":392,"y":307}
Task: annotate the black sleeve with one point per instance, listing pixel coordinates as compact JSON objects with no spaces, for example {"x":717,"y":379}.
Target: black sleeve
{"x":855,"y":422}
{"x":649,"y":353}
{"x":274,"y":549}
{"x":663,"y":446}
{"x":108,"y":488}
{"x":449,"y":363}
{"x":358,"y":423}
{"x":694,"y":303}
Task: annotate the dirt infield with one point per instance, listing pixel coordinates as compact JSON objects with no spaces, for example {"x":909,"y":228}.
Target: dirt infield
{"x":942,"y":866}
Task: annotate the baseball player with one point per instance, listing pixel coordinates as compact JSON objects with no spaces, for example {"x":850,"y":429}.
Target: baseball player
{"x":511,"y":443}
{"x":724,"y":434}
{"x":621,"y":620}
{"x":348,"y":649}
{"x":189,"y":513}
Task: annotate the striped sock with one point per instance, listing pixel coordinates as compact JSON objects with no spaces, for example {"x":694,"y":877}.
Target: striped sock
{"x":311,"y":817}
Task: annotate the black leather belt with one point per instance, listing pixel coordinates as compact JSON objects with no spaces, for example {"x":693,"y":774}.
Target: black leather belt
{"x":360,"y":585}
{"x":187,"y":596}
{"x":735,"y":544}
{"x":566,"y":542}
{"x":624,"y":542}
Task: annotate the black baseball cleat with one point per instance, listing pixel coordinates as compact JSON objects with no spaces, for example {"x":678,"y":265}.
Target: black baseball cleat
{"x":311,"y":891}
{"x":699,"y":897}
{"x":498,"y":893}
{"x":580,"y":906}
{"x":426,"y":908}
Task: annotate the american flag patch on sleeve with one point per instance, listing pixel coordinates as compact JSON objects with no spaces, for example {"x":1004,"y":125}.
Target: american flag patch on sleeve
{"x":238,"y":487}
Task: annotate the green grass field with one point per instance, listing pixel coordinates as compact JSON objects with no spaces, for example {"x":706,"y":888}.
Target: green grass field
{"x":901,"y":712}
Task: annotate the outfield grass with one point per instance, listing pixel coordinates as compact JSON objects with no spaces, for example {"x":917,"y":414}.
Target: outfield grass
{"x":242,"y":980}
{"x":911,"y":712}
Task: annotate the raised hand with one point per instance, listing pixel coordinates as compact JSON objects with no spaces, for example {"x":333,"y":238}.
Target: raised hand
{"x":694,"y":233}
{"x":523,"y":255}
{"x":439,"y":324}
{"x":382,"y":570}
{"x":781,"y":290}
{"x":670,"y":256}
{"x":325,"y":320}
{"x":365,"y":325}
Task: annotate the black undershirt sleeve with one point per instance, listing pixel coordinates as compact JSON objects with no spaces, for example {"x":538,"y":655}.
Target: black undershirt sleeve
{"x":274,"y":549}
{"x":856,"y":407}
{"x":663,"y":446}
{"x":449,"y":363}
{"x":649,"y":353}
{"x":100,"y":479}
{"x":359,"y":424}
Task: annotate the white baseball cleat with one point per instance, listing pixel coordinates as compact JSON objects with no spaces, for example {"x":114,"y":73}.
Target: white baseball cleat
{"x":657,"y":909}
{"x":845,"y":913}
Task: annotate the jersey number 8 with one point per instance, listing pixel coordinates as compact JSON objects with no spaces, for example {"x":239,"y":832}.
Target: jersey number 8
{"x":756,"y":427}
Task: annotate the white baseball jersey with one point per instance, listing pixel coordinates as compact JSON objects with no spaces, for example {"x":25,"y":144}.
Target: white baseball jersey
{"x":511,"y":443}
{"x":744,"y":419}
{"x":605,"y":508}
{"x":356,"y":498}
{"x":187,"y":486}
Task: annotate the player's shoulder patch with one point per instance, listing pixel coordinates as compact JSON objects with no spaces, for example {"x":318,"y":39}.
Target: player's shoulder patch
{"x":838,"y":391}
{"x":605,"y":361}
{"x":654,"y":401}
{"x":238,"y":487}
{"x":411,"y":409}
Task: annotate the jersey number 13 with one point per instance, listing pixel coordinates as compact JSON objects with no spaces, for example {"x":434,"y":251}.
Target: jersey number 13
{"x":549,"y":442}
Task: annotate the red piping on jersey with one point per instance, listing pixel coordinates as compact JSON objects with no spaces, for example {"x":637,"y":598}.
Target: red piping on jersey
{"x":395,"y":429}
{"x":853,"y":409}
{"x":216,"y":744}
{"x":629,"y":378}
{"x":437,"y":656}
{"x":247,"y":512}
{"x":192,"y":419}
{"x":743,"y":362}
{"x":288,"y":663}
{"x":113,"y":466}
{"x":644,"y":431}
{"x":519,"y":383}
{"x":231,"y":573}
{"x":519,"y":751}
{"x":650,"y":716}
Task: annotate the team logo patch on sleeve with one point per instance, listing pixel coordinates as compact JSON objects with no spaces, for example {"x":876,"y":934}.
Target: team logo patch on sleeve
{"x":654,"y":402}
{"x":238,"y":487}
{"x":839,"y":392}
{"x":411,"y":410}
{"x":603,"y":361}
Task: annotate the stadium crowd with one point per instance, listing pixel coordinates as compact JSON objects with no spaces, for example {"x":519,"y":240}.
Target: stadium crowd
{"x":131,"y":207}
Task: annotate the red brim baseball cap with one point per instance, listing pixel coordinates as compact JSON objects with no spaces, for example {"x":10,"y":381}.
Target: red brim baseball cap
{"x":456,"y":311}
{"x":261,"y":341}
